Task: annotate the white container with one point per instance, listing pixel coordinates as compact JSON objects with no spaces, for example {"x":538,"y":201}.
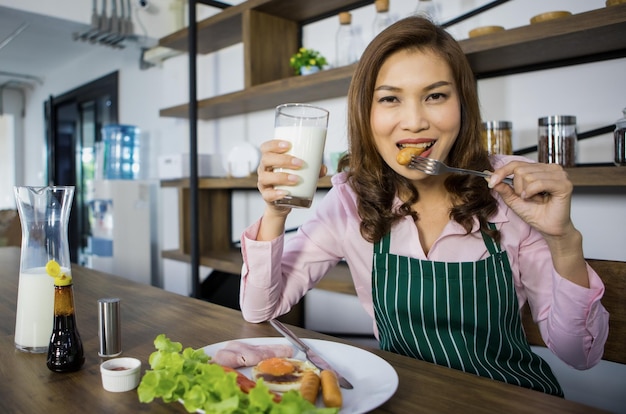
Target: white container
{"x":174,"y":166}
{"x":120,"y":374}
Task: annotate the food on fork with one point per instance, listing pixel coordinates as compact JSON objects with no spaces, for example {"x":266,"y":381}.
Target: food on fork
{"x":310,"y":386}
{"x":238,"y":354}
{"x":331,"y":393}
{"x":282,"y":374}
{"x":405,"y":154}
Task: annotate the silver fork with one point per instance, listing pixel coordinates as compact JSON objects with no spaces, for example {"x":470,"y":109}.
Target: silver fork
{"x":435,"y":167}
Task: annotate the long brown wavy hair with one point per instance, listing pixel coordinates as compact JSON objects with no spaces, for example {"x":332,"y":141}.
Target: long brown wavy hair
{"x":374,"y":182}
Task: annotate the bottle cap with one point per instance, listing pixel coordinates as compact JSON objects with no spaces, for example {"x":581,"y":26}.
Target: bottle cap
{"x":497,"y":125}
{"x":109,"y":327}
{"x":345,"y":18}
{"x":557,"y":120}
{"x":382,"y":6}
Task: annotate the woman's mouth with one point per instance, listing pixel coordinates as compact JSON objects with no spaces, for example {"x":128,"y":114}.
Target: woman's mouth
{"x":422,"y":145}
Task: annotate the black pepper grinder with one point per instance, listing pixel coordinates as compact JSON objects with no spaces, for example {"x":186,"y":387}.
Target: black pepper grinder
{"x":65,"y":351}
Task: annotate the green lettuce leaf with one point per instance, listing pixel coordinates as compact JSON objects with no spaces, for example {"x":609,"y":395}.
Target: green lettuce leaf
{"x":184,"y":375}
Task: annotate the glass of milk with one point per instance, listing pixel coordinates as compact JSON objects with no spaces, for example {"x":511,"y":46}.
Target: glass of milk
{"x":44,"y":214}
{"x":305,"y":127}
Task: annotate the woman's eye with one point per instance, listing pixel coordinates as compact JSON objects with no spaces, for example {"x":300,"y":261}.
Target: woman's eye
{"x":388,"y":99}
{"x":436,"y":96}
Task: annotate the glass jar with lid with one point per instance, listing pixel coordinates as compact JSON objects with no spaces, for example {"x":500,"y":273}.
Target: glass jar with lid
{"x":497,"y":137}
{"x":558,"y":140}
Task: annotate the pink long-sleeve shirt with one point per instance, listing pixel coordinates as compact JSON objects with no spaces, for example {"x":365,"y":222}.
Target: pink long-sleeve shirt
{"x":277,"y":274}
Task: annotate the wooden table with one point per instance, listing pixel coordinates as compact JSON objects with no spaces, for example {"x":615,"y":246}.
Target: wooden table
{"x":29,"y":387}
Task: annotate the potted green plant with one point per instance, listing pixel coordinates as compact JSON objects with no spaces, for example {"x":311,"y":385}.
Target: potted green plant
{"x":307,"y":61}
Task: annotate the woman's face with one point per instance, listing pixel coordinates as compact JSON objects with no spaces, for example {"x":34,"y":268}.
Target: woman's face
{"x":415,"y":103}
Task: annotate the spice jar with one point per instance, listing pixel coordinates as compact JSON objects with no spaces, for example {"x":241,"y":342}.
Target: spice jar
{"x":557,"y":140}
{"x":497,"y":137}
{"x":620,"y":140}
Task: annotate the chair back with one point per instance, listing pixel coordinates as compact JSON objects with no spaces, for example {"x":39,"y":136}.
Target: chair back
{"x":613,"y":274}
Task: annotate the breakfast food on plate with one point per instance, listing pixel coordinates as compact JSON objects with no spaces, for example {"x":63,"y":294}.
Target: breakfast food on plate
{"x":238,"y":354}
{"x":282,"y":374}
{"x":310,"y":386}
{"x":331,"y":393}
{"x":245,"y":384}
{"x":405,"y":154}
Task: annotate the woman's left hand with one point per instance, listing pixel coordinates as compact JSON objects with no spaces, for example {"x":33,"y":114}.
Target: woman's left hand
{"x":541,"y":195}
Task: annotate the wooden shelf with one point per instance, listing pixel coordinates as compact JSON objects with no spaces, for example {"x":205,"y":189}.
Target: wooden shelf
{"x":220,"y":254}
{"x":225,"y":183}
{"x":583,"y":37}
{"x":228,"y":261}
{"x":580,"y":176}
{"x":226,"y":28}
{"x":332,"y":83}
{"x":597,"y":176}
{"x":589,"y":36}
{"x":337,"y":280}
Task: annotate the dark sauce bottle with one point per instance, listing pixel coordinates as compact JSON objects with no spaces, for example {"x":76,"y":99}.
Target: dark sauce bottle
{"x":65,"y":351}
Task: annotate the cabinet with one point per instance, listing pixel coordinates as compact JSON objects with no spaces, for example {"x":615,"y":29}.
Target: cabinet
{"x":262,"y":24}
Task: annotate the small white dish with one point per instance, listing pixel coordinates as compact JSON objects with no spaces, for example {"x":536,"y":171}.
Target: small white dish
{"x":120,"y":374}
{"x":242,"y":160}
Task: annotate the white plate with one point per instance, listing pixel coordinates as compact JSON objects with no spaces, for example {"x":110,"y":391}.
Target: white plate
{"x":242,"y":160}
{"x":374,"y":380}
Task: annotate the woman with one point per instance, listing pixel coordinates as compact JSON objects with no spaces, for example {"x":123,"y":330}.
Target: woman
{"x":441,"y":263}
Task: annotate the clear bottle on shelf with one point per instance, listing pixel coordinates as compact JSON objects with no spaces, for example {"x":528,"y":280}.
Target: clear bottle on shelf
{"x":383,"y":19}
{"x":428,"y":9}
{"x":348,"y":48}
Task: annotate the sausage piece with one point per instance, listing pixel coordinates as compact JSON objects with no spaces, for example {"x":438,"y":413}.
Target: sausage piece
{"x":331,"y":393}
{"x":405,"y":154}
{"x":310,"y":386}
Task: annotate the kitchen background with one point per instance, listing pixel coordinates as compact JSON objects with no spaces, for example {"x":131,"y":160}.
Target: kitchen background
{"x":593,"y":92}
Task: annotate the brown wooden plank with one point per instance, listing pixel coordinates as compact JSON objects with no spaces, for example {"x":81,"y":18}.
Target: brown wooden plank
{"x":325,"y":84}
{"x":613,"y":274}
{"x":577,"y":36}
{"x":269,"y":42}
{"x":597,"y":176}
{"x":245,"y":183}
{"x":225,"y":28}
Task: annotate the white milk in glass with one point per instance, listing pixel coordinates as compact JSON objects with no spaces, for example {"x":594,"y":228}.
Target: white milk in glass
{"x":307,"y":143}
{"x":35,"y":293}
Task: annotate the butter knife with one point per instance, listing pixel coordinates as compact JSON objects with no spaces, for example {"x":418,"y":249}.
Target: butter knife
{"x":311,"y":355}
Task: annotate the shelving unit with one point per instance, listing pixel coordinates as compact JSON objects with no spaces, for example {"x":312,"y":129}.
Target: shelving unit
{"x":592,"y":36}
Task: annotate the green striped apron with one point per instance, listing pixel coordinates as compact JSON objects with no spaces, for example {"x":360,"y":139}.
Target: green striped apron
{"x":460,"y":315}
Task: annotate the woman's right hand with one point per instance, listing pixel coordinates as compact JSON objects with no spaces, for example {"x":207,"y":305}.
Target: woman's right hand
{"x":273,"y":156}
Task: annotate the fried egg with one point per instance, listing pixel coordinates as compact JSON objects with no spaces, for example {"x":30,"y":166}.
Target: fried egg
{"x":282,"y":374}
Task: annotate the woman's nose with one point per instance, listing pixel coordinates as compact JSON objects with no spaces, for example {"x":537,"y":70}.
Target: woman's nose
{"x":414,"y":119}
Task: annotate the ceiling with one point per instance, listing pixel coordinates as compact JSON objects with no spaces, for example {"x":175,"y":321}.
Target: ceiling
{"x":42,"y":44}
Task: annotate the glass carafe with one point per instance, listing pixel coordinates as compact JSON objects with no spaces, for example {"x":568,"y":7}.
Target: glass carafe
{"x":44,"y":214}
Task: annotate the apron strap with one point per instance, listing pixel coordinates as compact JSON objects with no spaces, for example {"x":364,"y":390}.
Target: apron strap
{"x":382,"y":246}
{"x":492,"y":246}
